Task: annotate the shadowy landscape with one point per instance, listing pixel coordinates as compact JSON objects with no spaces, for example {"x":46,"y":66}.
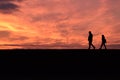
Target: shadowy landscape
{"x":60,"y":64}
{"x":59,"y":39}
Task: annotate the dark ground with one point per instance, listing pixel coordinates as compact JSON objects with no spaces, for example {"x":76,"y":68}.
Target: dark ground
{"x":60,"y":64}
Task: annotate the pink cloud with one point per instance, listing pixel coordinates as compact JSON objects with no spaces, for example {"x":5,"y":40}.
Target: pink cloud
{"x":62,"y":20}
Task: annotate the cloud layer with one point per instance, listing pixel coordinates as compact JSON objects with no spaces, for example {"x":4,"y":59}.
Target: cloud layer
{"x":62,"y":22}
{"x":8,"y":6}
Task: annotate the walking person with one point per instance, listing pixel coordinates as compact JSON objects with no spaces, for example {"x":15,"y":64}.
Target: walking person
{"x":103,"y":42}
{"x":90,"y":40}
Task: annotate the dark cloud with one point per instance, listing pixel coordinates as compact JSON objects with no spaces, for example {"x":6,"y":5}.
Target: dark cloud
{"x":19,"y":38}
{"x":56,"y":45}
{"x":51,"y":17}
{"x":8,"y":6}
{"x":114,"y":46}
{"x":9,"y":35}
{"x":10,"y":0}
{"x":4,"y":34}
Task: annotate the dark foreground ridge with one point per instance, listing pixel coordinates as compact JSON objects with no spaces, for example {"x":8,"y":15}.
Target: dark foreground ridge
{"x":60,"y":64}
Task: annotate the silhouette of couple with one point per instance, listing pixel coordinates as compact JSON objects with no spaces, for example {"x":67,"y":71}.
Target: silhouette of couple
{"x":90,"y":40}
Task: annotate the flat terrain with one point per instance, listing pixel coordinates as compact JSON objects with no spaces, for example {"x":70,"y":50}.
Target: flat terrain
{"x":60,"y":64}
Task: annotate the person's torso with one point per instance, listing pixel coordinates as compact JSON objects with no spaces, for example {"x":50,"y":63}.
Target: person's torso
{"x":90,"y":37}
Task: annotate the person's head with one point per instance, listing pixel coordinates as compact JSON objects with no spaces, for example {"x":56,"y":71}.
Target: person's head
{"x":89,"y":32}
{"x":103,"y":36}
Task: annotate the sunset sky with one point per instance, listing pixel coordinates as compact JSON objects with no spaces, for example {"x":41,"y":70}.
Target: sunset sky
{"x":58,"y":23}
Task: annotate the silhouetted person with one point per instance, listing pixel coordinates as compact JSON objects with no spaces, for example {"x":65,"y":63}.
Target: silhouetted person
{"x":103,"y":42}
{"x":90,"y":39}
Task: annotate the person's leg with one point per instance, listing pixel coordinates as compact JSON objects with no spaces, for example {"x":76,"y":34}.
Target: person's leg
{"x":101,"y":46}
{"x":93,"y":46}
{"x":89,"y":45}
{"x":105,"y":46}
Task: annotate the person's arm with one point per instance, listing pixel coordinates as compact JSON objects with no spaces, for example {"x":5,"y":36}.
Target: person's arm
{"x":88,"y":38}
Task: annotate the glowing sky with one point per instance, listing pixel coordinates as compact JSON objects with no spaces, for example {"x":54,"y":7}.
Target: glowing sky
{"x":59,"y":23}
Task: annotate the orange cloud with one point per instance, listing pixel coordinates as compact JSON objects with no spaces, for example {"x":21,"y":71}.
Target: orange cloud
{"x":52,"y":22}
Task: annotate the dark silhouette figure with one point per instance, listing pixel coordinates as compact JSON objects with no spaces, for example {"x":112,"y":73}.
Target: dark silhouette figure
{"x":90,"y":39}
{"x":103,"y":42}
